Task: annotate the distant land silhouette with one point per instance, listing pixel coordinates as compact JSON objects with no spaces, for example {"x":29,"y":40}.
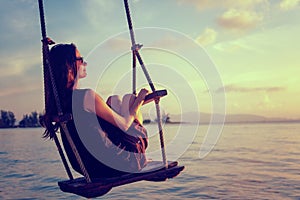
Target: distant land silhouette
{"x":204,"y":118}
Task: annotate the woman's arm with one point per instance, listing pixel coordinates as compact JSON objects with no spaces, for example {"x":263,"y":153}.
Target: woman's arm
{"x":105,"y":112}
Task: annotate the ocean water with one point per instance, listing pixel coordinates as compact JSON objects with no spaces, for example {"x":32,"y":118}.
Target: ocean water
{"x":249,"y":161}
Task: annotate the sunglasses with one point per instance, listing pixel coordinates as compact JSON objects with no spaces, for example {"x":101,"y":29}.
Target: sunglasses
{"x":80,"y":59}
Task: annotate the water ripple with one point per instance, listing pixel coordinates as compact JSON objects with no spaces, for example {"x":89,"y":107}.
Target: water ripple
{"x":247,"y":163}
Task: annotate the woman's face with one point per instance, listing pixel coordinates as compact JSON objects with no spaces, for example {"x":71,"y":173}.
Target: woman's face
{"x":81,"y":65}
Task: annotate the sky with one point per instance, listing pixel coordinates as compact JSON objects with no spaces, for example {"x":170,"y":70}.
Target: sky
{"x":251,"y":46}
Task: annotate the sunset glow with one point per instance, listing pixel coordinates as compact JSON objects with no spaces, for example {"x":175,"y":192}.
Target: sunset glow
{"x":254,"y":45}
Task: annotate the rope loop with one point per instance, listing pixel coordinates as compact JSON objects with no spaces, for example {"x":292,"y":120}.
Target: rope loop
{"x":136,"y":47}
{"x":48,"y":41}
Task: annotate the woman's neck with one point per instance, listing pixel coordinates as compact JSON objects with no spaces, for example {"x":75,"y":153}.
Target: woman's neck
{"x":76,"y":85}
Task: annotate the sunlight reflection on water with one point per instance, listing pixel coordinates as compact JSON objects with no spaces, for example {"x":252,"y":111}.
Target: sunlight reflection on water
{"x":250,"y":161}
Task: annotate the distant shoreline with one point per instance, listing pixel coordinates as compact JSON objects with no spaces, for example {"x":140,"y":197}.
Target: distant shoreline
{"x":193,"y":123}
{"x":15,"y":127}
{"x":242,"y":122}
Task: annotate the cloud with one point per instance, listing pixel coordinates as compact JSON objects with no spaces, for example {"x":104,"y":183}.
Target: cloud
{"x":245,"y":4}
{"x":13,"y":91}
{"x":207,"y":37}
{"x":239,"y":89}
{"x":225,"y":4}
{"x":238,"y":15}
{"x":239,"y":20}
{"x":268,"y":104}
{"x":18,"y":64}
{"x":289,"y":4}
{"x":18,"y":18}
{"x":169,"y":41}
{"x":200,"y":4}
{"x":104,"y":6}
{"x":99,"y":13}
{"x":118,"y":43}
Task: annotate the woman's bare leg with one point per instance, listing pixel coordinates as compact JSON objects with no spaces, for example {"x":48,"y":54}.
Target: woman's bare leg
{"x":115,"y":103}
{"x":122,"y":106}
{"x":127,"y":102}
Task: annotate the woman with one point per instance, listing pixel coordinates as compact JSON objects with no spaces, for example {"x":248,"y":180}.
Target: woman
{"x":118,"y":151}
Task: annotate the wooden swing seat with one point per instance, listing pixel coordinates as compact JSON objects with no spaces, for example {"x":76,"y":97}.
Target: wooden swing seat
{"x":154,"y":171}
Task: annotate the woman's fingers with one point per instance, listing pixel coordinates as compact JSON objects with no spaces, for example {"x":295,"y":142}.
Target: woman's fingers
{"x":143,"y":92}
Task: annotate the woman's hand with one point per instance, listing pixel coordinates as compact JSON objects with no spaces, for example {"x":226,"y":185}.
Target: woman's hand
{"x":142,"y":94}
{"x":138,"y":102}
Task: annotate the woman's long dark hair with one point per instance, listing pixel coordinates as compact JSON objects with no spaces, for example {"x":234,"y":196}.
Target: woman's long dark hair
{"x":62,"y":59}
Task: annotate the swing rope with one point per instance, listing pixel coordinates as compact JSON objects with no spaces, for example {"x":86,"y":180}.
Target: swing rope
{"x":48,"y":74}
{"x":136,"y":55}
{"x":49,"y":85}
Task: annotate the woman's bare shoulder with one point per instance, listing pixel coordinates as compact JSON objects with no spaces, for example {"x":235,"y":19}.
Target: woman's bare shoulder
{"x":91,"y":99}
{"x":92,"y":94}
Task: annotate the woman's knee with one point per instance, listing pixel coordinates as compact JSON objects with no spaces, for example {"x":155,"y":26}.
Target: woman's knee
{"x":115,"y":103}
{"x":128,"y":99}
